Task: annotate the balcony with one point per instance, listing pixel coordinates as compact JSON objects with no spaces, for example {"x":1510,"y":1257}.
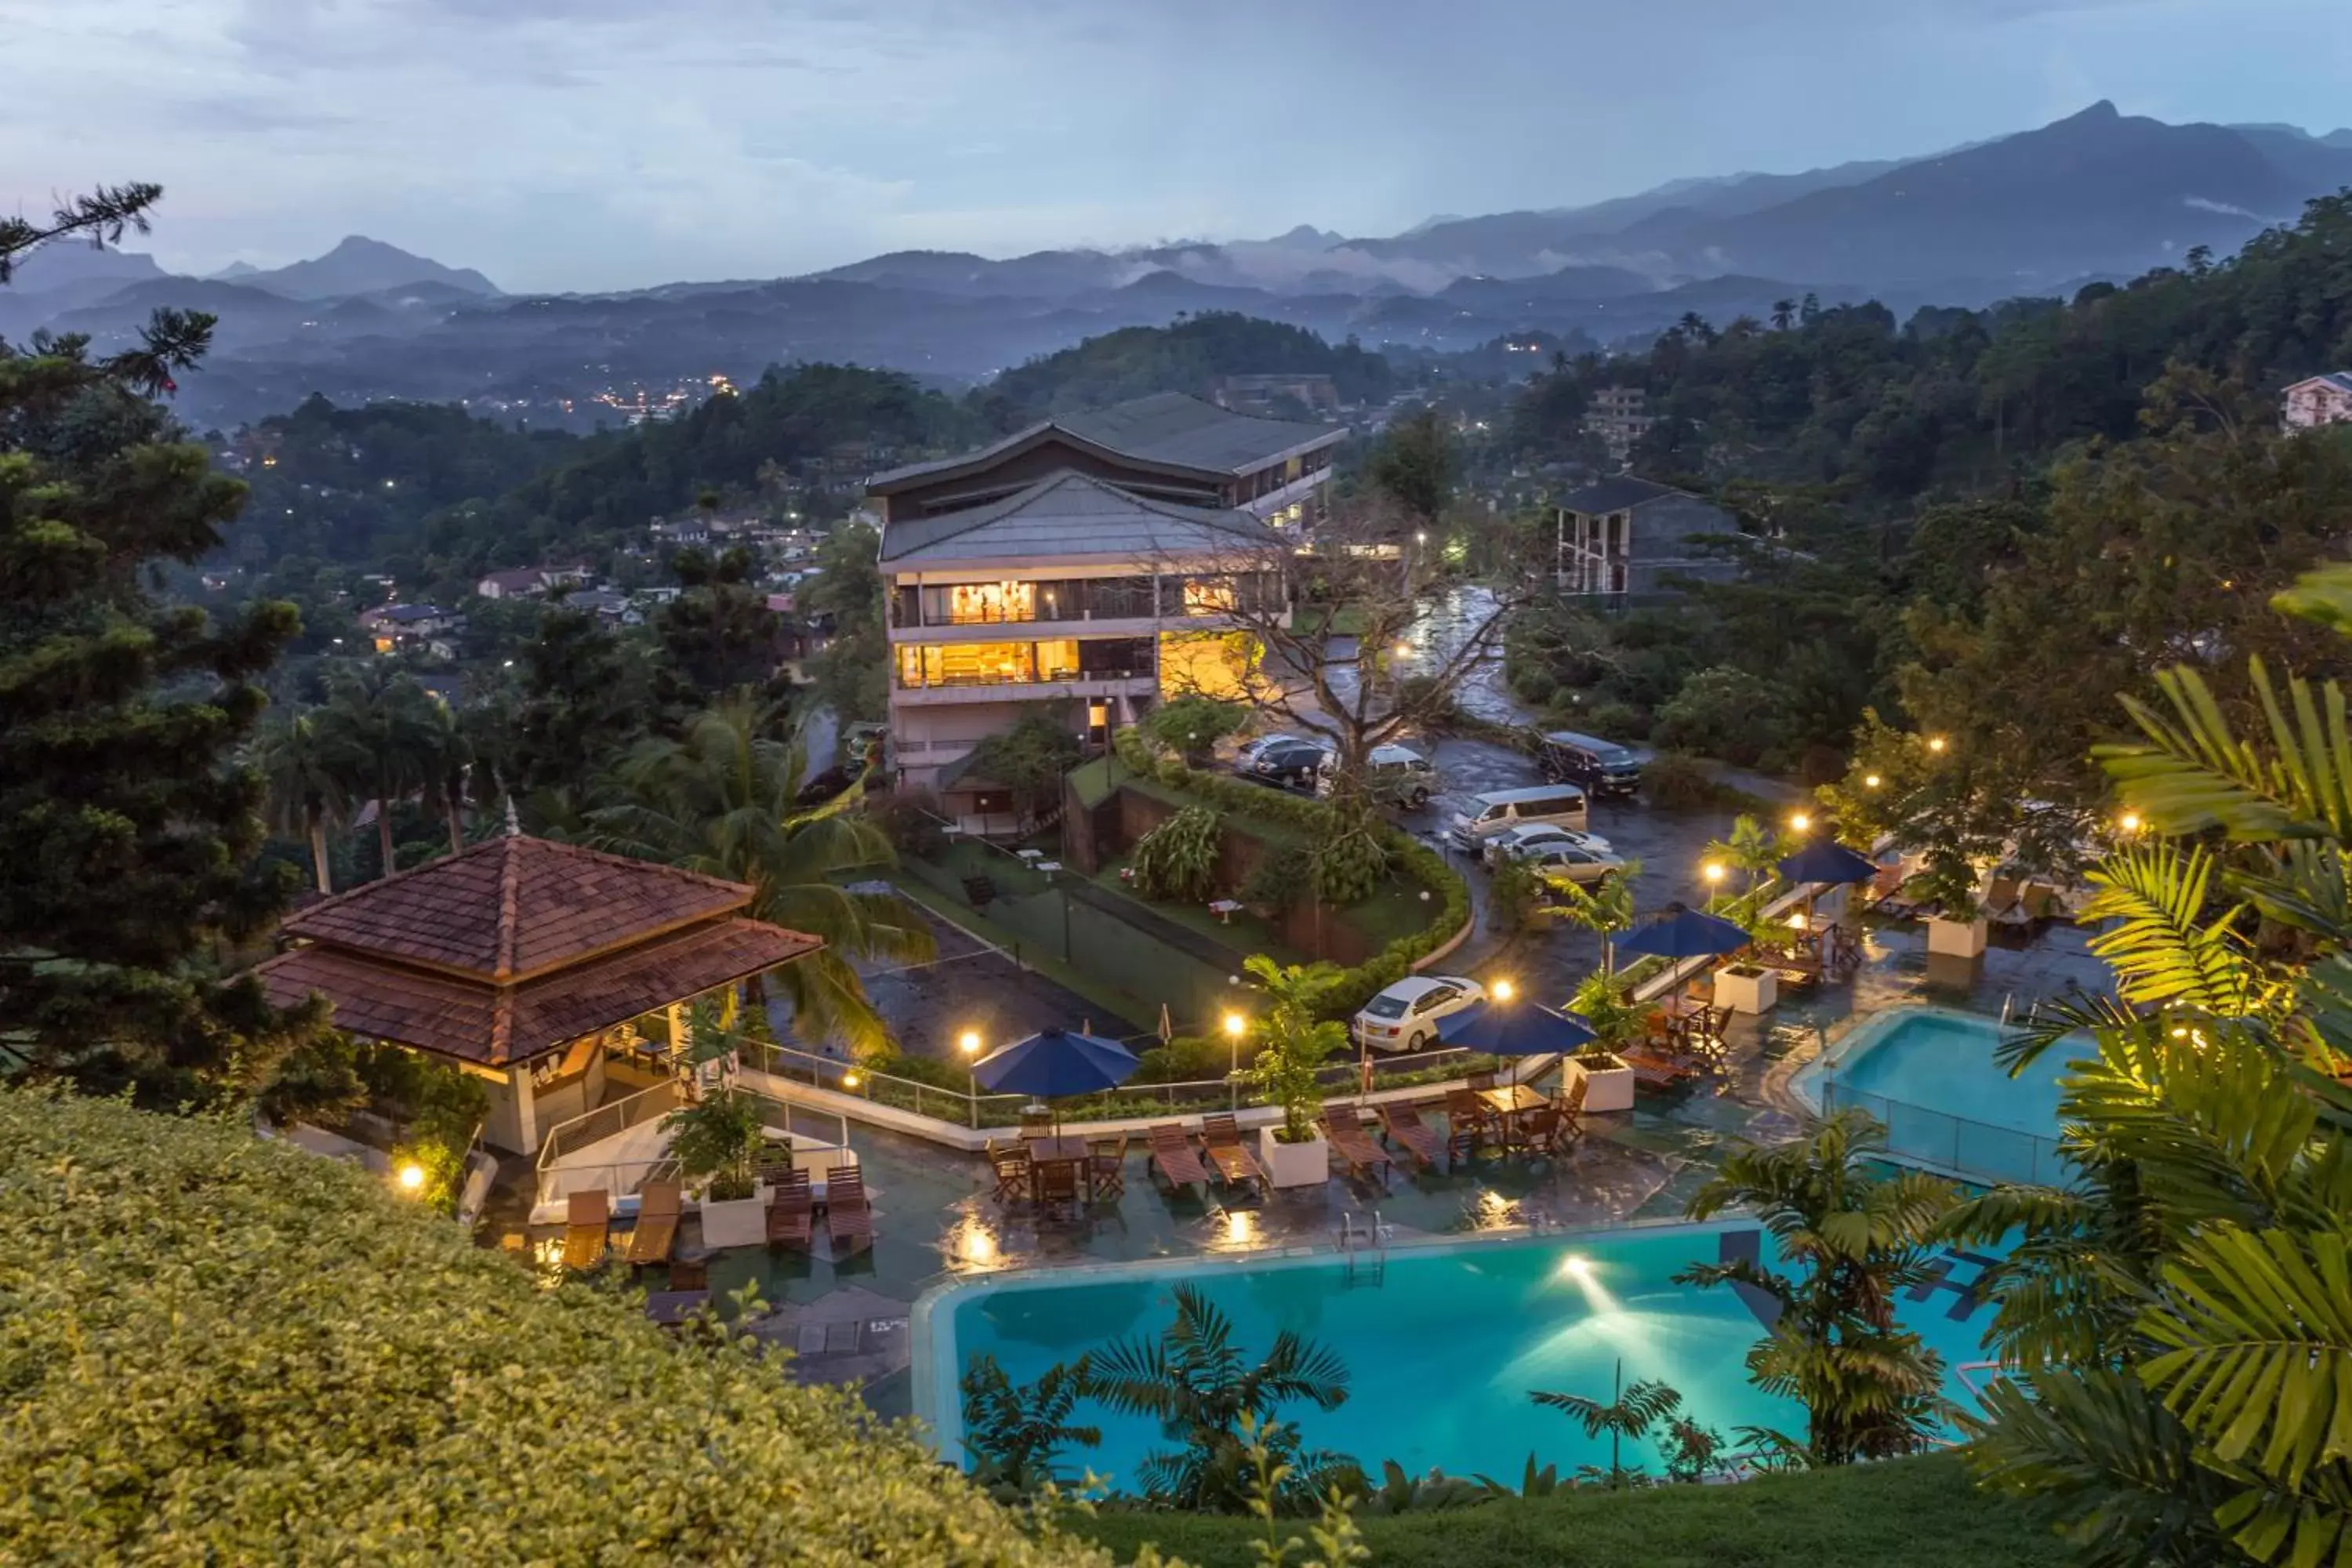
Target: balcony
{"x":944,"y":610}
{"x":1089,"y":684}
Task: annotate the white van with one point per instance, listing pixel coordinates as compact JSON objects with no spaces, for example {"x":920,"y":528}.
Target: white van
{"x":1498,"y":811}
{"x":1391,"y":772}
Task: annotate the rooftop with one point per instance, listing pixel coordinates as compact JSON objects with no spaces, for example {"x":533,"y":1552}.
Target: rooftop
{"x":1617,"y":494}
{"x":2341,"y":380}
{"x":1167,"y":430}
{"x":1071,"y":514}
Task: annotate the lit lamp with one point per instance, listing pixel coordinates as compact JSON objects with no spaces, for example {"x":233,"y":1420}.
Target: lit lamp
{"x":2128,"y":822}
{"x":1799,"y":822}
{"x":1935,"y":743}
{"x":1404,"y":650}
{"x":969,"y":1042}
{"x":1869,"y":781}
{"x":1235,"y":1027}
{"x":411,"y":1176}
{"x":1503,"y":990}
{"x":849,"y":1080}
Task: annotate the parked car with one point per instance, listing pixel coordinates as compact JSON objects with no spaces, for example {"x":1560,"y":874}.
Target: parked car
{"x":1499,"y":811}
{"x":1288,"y":763}
{"x":1518,"y":843}
{"x":1405,"y":1017}
{"x":1578,"y":863}
{"x":1602,"y":767}
{"x":1248,"y":750}
{"x":1391,"y":772}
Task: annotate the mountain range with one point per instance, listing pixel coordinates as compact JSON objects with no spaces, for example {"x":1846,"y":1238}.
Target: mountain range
{"x":2096,"y":195}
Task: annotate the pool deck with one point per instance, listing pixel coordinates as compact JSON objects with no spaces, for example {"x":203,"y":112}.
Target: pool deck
{"x":935,"y":1218}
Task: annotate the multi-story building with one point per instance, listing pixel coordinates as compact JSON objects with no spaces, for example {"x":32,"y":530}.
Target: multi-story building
{"x":1620,"y":416}
{"x":1090,"y":563}
{"x":2322,"y":400}
{"x":1628,"y":536}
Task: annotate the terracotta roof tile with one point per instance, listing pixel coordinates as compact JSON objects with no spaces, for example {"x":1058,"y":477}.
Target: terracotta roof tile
{"x":514,"y":908}
{"x":494,"y":1024}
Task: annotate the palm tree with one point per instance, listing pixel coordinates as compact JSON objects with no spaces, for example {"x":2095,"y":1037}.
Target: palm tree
{"x":378,"y":728}
{"x":305,"y":790}
{"x":1012,"y":1431}
{"x":1784,"y":315}
{"x":1629,"y":1413}
{"x":2183,"y":1306}
{"x":1604,"y":909}
{"x":1753,"y":851}
{"x":725,"y":801}
{"x":1198,"y":1384}
{"x":1854,"y":1239}
{"x":448,"y":761}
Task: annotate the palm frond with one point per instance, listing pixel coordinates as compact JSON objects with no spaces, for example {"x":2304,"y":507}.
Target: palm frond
{"x":2163,"y":950}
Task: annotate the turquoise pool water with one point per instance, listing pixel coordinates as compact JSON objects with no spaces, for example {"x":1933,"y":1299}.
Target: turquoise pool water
{"x":1442,"y":1350}
{"x":1930,"y":1075}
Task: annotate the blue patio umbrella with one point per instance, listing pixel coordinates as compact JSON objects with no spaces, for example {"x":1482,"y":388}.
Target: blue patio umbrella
{"x":1826,"y":861}
{"x":1052,"y":1063}
{"x":1685,"y":933}
{"x":1515,"y":1029}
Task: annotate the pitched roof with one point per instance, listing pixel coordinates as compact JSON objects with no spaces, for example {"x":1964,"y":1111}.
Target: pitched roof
{"x":1166,"y":430}
{"x":1617,"y":494}
{"x":1070,"y":513}
{"x":2341,"y":380}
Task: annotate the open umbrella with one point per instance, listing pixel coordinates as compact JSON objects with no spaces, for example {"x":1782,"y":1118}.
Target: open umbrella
{"x":1685,"y":933}
{"x":1829,"y":862}
{"x":1054,"y":1063}
{"x":1515,"y":1029}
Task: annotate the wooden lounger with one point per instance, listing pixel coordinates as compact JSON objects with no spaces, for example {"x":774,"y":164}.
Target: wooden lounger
{"x":656,"y":1231}
{"x":1409,"y":1132}
{"x":583,"y":1231}
{"x":847,"y":1214}
{"x":1348,"y":1139}
{"x":1173,"y":1156}
{"x":792,"y":1212}
{"x":1653,"y":1069}
{"x":1222,"y":1139}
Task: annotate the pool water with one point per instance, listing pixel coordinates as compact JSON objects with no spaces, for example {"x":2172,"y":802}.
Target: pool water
{"x":1442,"y":1347}
{"x":1930,"y":1075}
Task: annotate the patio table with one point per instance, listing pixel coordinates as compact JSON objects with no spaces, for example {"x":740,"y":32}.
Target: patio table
{"x":1511,"y":1099}
{"x":1063,"y":1150}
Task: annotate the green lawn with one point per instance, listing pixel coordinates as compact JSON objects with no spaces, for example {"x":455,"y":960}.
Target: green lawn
{"x":1244,"y":933}
{"x":1910,"y":1513}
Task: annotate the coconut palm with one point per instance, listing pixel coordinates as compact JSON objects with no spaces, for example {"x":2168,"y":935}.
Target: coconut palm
{"x":1013,"y":1431}
{"x":1603,"y":908}
{"x":2184,"y":1307}
{"x":448,"y":761}
{"x":724,"y":800}
{"x":1629,"y":1413}
{"x":1202,"y":1389}
{"x":1853,"y":1239}
{"x":305,"y":788}
{"x":378,"y":727}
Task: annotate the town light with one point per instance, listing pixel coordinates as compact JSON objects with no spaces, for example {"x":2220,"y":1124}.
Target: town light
{"x":1935,"y":743}
{"x":849,"y":1080}
{"x":1711,"y":871}
{"x":1801,"y":822}
{"x":969,"y":1042}
{"x":1869,"y":781}
{"x":412,"y":1177}
{"x":1235,"y":1024}
{"x":1503,"y":989}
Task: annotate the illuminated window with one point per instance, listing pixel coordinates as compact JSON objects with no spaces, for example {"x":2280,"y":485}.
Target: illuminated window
{"x":1209,"y":596}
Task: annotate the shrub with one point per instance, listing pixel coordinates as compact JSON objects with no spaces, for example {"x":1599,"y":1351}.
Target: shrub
{"x":1511,"y":896}
{"x":1191,"y":726}
{"x":1617,"y":721}
{"x":1186,"y":1059}
{"x":222,"y":1349}
{"x":718,"y":1138}
{"x":911,"y":820}
{"x":1283,"y":876}
{"x":1178,"y":859}
{"x":1679,"y":782}
{"x":1725,"y":713}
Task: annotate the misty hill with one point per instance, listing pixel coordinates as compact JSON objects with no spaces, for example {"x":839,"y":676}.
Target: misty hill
{"x":362,"y":266}
{"x":1186,"y":357}
{"x":79,"y":267}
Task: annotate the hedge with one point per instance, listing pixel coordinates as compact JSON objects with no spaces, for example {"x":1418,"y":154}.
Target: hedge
{"x":1355,"y":985}
{"x":216,"y":1348}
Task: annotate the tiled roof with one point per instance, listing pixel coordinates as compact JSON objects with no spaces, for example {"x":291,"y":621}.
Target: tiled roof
{"x":1166,"y":430}
{"x":1616,"y":495}
{"x":496,"y":1025}
{"x":1069,"y":514}
{"x":514,"y":908}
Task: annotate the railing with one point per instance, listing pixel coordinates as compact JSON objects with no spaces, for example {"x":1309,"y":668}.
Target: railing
{"x":815,"y":1133}
{"x":610,"y":1120}
{"x":951,"y":682}
{"x":1978,"y":1150}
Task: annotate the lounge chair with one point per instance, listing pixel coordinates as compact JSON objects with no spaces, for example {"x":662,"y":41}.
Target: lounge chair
{"x":1221,"y":1137}
{"x":848,"y":1215}
{"x":1407,"y":1131}
{"x":1656,"y":1066}
{"x":792,"y":1213}
{"x":583,"y":1232}
{"x":656,"y":1232}
{"x":1107,"y":1168}
{"x":1348,"y":1140}
{"x":1173,"y":1156}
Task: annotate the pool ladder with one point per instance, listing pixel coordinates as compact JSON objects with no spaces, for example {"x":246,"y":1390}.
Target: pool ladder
{"x":1356,"y":1242}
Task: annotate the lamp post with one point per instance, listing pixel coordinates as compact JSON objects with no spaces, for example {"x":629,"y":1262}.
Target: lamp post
{"x":969,"y":1044}
{"x":1235,"y":1027}
{"x":1714,"y":875}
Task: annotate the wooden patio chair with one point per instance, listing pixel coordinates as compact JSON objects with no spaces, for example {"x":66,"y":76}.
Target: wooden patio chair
{"x":1058,"y":1184}
{"x":1347,"y":1138}
{"x":586,"y":1215}
{"x":1014,"y":1171}
{"x":1536,"y":1131}
{"x":1107,"y":1167}
{"x":1481,"y":1081}
{"x":792,"y":1213}
{"x":659,"y":1205}
{"x":1466,"y":1125}
{"x":1036,"y":1124}
{"x":1407,"y":1131}
{"x":848,"y":1215}
{"x":1221,"y":1137}
{"x":1173,"y":1156}
{"x":1571,"y":1110}
{"x":690,"y":1273}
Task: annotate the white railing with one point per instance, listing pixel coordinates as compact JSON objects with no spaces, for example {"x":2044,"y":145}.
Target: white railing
{"x":610,"y":1120}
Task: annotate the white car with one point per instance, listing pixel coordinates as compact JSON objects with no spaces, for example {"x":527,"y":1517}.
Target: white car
{"x":1393,"y":772}
{"x":1578,"y":863}
{"x":1405,"y":1017}
{"x":1519,"y":843}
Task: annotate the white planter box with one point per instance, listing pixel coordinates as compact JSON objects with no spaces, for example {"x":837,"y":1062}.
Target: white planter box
{"x":1746,"y":992}
{"x":1307,"y":1165}
{"x":1605,"y":1088}
{"x":1961,"y":939}
{"x":736,"y":1222}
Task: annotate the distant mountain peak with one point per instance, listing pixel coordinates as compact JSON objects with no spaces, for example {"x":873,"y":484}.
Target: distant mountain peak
{"x":359,"y":264}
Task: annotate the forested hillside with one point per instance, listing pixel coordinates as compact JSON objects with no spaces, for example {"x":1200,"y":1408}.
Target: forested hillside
{"x":1185,"y":357}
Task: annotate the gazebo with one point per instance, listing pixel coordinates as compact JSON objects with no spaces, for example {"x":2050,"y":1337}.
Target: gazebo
{"x":513,"y":959}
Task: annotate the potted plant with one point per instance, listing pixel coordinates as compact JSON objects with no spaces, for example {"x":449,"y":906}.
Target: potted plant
{"x":717,"y":1142}
{"x":1957,"y":928}
{"x":1295,"y":1044}
{"x":1617,"y":1021}
{"x":1747,"y":987}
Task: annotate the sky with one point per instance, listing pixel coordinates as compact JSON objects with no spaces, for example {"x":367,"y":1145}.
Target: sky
{"x":596,"y":145}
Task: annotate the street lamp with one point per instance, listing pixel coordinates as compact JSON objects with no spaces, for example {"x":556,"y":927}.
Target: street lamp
{"x":1503,"y":990}
{"x":2128,"y":822}
{"x":1235,"y":1027}
{"x":1869,"y":781}
{"x":1935,"y":743}
{"x":412,"y":1177}
{"x":1799,"y":822}
{"x":969,"y":1042}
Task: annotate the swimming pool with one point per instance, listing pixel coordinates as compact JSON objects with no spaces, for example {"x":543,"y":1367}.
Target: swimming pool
{"x":1928,"y":1073}
{"x":1442,"y":1347}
